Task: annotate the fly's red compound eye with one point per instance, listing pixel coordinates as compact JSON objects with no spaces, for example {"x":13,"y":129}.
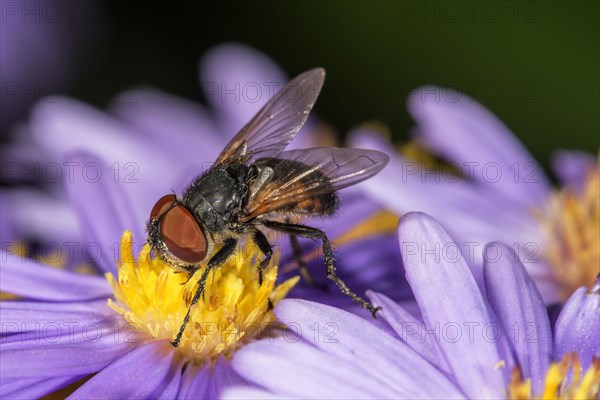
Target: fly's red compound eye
{"x":161,"y":205}
{"x":179,"y":230}
{"x":182,"y":235}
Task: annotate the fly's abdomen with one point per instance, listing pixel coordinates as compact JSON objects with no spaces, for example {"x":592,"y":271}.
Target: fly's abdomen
{"x":270,"y":175}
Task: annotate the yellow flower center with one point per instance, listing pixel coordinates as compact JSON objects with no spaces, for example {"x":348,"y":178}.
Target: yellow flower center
{"x":233,"y":310}
{"x":572,"y":224}
{"x":557,"y":384}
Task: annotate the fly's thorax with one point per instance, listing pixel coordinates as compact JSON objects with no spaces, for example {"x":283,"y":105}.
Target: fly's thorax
{"x":217,"y":196}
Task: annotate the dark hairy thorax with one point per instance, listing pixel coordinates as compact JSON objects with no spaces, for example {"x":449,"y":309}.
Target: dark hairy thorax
{"x":217,"y":197}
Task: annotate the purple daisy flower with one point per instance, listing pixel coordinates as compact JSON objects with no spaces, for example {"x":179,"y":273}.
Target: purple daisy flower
{"x":134,"y":145}
{"x":61,"y":331}
{"x":61,"y":315}
{"x":465,"y":344}
{"x":145,"y":308}
{"x":62,"y":328}
{"x":491,"y":189}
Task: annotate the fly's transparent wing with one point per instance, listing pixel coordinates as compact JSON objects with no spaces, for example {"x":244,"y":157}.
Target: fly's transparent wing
{"x":298,"y":175}
{"x":278,"y":122}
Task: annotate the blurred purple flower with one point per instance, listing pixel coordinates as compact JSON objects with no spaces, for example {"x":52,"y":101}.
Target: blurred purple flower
{"x":465,"y":345}
{"x":494,"y":191}
{"x":42,"y":45}
{"x":151,"y":141}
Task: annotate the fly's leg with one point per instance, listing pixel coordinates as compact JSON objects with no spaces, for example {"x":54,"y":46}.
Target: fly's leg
{"x":314,"y":233}
{"x":302,"y":265}
{"x":264,"y":246}
{"x":216,"y":260}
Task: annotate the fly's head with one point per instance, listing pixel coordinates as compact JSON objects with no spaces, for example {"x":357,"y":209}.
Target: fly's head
{"x":176,"y":236}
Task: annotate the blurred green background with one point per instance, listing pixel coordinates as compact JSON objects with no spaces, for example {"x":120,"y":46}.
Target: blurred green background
{"x":533,"y":63}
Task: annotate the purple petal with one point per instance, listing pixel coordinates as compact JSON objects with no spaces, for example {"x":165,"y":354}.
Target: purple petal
{"x":7,"y":226}
{"x":248,"y":393}
{"x":25,"y":316}
{"x":169,"y":388}
{"x":292,"y":369}
{"x":409,"y":329}
{"x":224,"y":376}
{"x":578,"y":326}
{"x":459,"y":128}
{"x":451,"y":304}
{"x":34,"y":213}
{"x":34,"y":388}
{"x":520,"y":310}
{"x":71,"y":126}
{"x":366,"y":358}
{"x":13,"y":385}
{"x":141,"y":167}
{"x":196,"y":382}
{"x":237,"y":80}
{"x":149,"y":371}
{"x":169,"y":119}
{"x":207,"y":382}
{"x":404,"y":185}
{"x":175,"y":126}
{"x":471,"y":215}
{"x":59,"y":350}
{"x":37,"y":54}
{"x":16,"y":385}
{"x":48,"y":220}
{"x":27,"y":278}
{"x":573,"y":167}
{"x":23,"y":149}
{"x":105,"y":213}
